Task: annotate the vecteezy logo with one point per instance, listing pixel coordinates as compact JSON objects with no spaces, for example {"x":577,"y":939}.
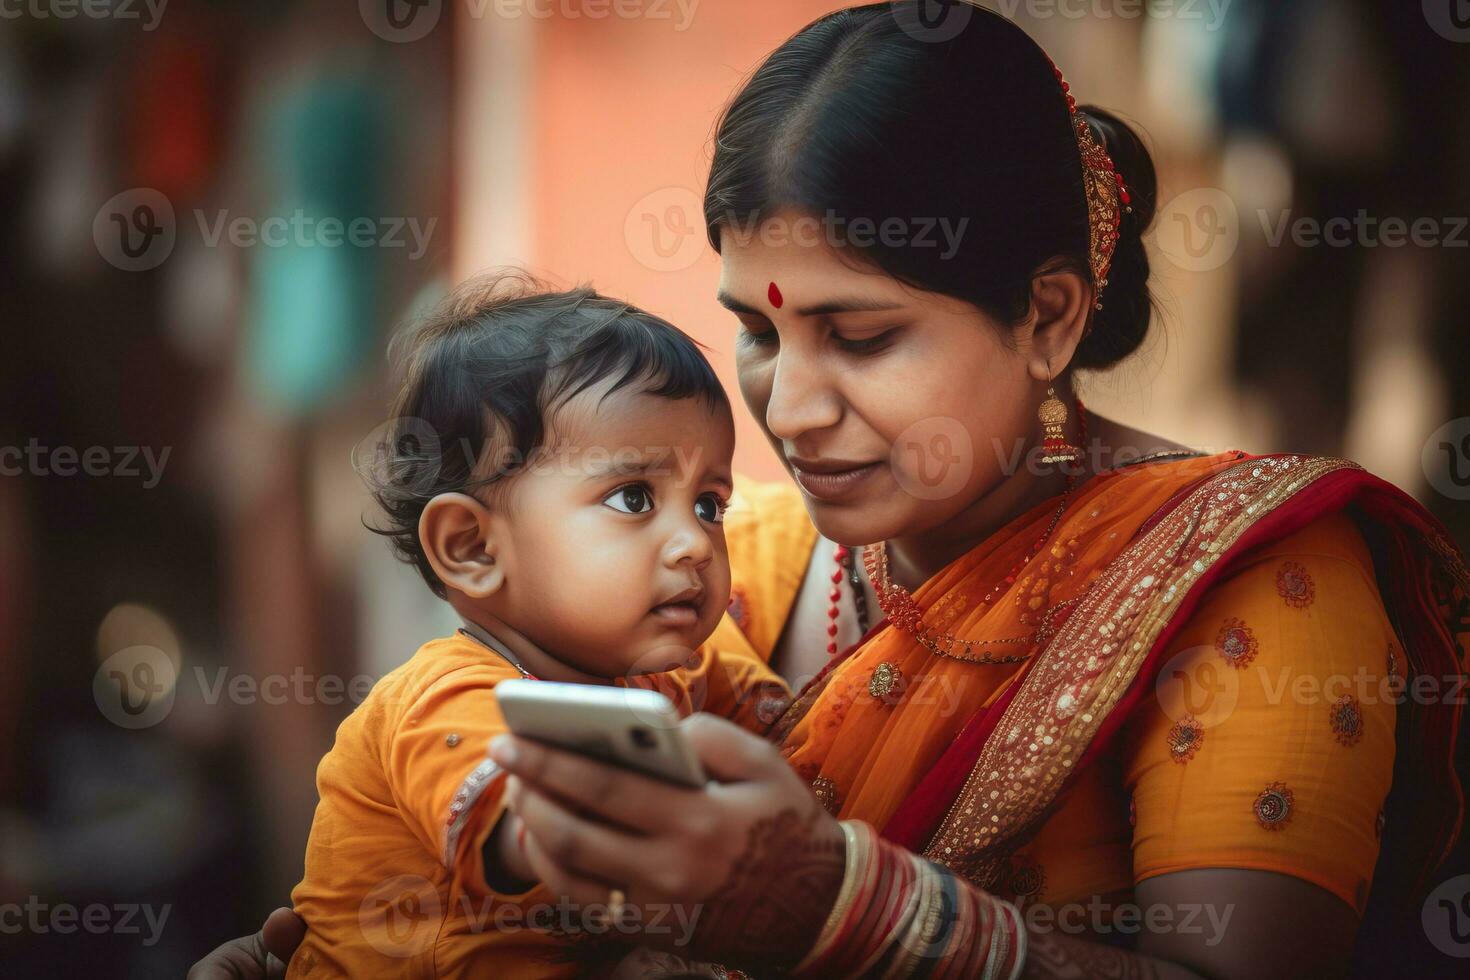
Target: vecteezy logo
{"x":933,"y":458}
{"x":1450,"y":19}
{"x":134,"y":688}
{"x":1446,"y":459}
{"x":1446,"y":917}
{"x":1458,"y":456}
{"x":662,"y":230}
{"x":400,"y":21}
{"x":400,"y":917}
{"x":1199,"y":230}
{"x":934,"y":21}
{"x":1196,"y":684}
{"x":135,"y":230}
{"x":400,"y":457}
{"x":402,"y":12}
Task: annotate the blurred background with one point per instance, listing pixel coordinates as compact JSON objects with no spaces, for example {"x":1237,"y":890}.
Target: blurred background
{"x":216,"y":212}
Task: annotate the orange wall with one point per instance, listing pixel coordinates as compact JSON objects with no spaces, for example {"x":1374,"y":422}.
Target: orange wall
{"x":624,"y":109}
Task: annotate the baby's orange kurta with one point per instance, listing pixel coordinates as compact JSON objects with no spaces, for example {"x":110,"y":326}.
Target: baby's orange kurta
{"x":395,"y":884}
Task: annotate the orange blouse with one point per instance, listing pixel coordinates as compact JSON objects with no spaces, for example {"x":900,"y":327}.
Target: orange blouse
{"x":1270,"y":744}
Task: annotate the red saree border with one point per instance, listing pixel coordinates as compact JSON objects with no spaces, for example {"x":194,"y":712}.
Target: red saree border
{"x":915,"y":820}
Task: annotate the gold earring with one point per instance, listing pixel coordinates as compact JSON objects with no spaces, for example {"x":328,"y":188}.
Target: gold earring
{"x":1054,"y":446}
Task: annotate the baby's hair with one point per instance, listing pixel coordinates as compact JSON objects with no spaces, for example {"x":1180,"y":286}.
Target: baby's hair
{"x":487,"y":367}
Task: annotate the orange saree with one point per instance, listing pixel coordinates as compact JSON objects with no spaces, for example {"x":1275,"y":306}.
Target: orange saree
{"x":1160,"y":722}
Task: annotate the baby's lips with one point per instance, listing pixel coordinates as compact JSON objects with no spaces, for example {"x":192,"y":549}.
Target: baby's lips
{"x":694,"y":596}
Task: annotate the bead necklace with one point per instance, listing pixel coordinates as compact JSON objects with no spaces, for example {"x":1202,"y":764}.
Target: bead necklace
{"x":899,"y":606}
{"x":846,"y":568}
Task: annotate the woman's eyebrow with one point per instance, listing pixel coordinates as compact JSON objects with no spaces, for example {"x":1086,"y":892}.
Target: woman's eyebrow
{"x":735,"y":306}
{"x":847,"y":305}
{"x":851,"y":304}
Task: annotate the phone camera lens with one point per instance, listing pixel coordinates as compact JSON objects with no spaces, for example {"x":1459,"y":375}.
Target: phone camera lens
{"x":643,"y":738}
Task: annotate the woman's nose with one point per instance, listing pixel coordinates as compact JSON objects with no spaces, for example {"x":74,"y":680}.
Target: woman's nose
{"x":801,"y":399}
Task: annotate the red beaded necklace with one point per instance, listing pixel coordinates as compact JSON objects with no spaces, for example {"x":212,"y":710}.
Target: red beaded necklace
{"x":846,"y":568}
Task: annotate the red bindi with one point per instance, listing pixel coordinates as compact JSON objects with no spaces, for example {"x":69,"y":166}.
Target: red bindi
{"x":775,"y":296}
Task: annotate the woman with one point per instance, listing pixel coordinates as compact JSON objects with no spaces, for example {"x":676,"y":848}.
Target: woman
{"x":1065,"y":678}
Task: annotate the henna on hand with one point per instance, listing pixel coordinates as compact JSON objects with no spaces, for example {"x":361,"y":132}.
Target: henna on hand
{"x":774,"y":901}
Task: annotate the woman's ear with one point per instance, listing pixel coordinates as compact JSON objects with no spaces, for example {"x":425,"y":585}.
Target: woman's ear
{"x":1061,"y":303}
{"x":458,"y":536}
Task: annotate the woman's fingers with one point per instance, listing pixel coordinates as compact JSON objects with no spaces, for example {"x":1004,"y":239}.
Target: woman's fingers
{"x":582,"y":847}
{"x":729,"y":753}
{"x":577,"y":889}
{"x":595,"y":909}
{"x":640,"y":803}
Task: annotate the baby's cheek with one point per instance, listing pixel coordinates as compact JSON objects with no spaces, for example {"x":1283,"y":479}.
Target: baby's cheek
{"x":602,"y":586}
{"x":609,"y":634}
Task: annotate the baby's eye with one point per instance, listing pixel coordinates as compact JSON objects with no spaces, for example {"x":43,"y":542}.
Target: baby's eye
{"x":710,"y":507}
{"x":631,"y":499}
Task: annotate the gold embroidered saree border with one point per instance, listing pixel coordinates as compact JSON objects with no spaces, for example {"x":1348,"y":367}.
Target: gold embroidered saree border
{"x":1092,"y":660}
{"x":1451,"y":559}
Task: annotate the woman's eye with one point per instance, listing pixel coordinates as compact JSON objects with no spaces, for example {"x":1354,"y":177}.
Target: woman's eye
{"x":758,"y":338}
{"x":866,"y":345}
{"x":631,"y":499}
{"x":710,"y":508}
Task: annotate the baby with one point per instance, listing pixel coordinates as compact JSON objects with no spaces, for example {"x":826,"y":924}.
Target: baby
{"x":557,"y":470}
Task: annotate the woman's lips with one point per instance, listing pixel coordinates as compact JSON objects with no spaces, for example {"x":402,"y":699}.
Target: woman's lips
{"x":830,"y":483}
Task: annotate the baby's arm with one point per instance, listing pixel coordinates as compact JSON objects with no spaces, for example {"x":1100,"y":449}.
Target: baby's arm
{"x":446,"y":787}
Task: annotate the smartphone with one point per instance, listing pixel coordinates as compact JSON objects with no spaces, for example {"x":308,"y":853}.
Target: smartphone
{"x":628,"y":727}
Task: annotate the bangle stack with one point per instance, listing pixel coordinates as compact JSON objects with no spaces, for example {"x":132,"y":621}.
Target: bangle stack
{"x":898,"y":915}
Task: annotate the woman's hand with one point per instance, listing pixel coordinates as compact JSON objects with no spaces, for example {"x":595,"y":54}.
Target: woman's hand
{"x":263,"y":955}
{"x":743,"y":871}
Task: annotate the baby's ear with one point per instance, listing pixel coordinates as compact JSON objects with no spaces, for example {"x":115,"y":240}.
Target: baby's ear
{"x":457,"y":533}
